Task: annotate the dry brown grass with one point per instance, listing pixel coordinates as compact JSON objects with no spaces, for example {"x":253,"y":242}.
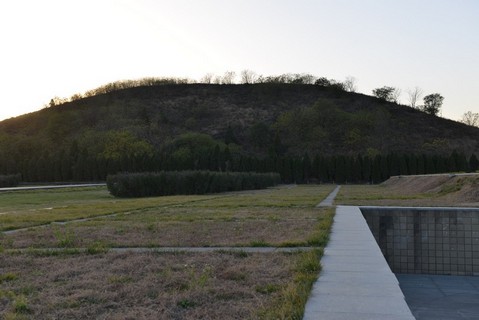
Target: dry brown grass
{"x":72,"y":284}
{"x":145,"y":286}
{"x":269,"y":226}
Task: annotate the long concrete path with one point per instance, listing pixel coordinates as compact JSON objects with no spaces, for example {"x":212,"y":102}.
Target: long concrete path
{"x":356,"y":281}
{"x":329,"y":200}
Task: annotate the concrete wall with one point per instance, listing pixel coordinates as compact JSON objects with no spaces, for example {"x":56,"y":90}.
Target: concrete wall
{"x":427,"y":240}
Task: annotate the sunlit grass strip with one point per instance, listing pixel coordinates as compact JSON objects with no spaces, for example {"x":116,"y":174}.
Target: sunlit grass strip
{"x":187,"y":182}
{"x":74,"y":205}
{"x":293,"y":296}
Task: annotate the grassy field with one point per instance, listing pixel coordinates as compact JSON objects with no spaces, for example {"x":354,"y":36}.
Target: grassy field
{"x":67,"y":270}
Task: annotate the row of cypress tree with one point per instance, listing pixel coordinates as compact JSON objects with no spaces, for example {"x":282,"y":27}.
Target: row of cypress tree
{"x":292,"y":169}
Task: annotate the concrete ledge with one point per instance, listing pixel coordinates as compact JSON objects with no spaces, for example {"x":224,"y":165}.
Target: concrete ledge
{"x":356,"y":281}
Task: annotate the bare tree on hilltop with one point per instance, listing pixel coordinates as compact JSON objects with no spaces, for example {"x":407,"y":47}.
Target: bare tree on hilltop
{"x":248,"y":76}
{"x":229,"y":77}
{"x":470,"y":118}
{"x":207,"y":78}
{"x":414,"y":95}
{"x":350,"y":84}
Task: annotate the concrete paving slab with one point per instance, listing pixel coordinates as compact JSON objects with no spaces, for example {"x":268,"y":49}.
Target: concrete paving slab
{"x":357,"y":268}
{"x":362,"y":304}
{"x":354,"y":259}
{"x":365,"y":288}
{"x":352,"y":252}
{"x":358,"y":316}
{"x":441,"y":297}
{"x":355,"y":278}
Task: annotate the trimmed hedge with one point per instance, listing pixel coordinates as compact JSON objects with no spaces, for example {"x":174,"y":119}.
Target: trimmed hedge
{"x":10,"y":180}
{"x":187,"y":182}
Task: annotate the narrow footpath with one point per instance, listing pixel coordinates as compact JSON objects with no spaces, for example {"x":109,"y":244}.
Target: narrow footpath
{"x":356,"y":281}
{"x":328,"y":202}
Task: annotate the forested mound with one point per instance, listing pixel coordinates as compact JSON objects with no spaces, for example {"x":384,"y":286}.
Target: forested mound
{"x":251,"y":127}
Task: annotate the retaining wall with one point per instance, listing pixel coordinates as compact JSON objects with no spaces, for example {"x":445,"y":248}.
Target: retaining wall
{"x":427,"y":240}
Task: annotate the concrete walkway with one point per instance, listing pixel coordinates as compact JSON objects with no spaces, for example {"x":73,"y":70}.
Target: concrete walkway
{"x":356,"y":281}
{"x":328,"y":202}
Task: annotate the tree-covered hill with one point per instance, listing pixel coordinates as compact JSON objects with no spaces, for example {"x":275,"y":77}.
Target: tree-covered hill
{"x":218,"y":127}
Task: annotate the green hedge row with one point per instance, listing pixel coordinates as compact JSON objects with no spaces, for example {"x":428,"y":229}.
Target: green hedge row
{"x":187,"y":182}
{"x":10,"y":180}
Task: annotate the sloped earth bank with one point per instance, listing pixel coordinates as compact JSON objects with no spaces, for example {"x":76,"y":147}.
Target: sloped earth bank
{"x":453,"y":188}
{"x":420,"y":190}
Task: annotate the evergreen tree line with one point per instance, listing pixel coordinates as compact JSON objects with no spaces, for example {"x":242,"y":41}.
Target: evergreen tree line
{"x":82,"y":166}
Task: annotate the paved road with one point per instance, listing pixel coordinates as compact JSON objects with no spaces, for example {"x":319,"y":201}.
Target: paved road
{"x":54,"y":187}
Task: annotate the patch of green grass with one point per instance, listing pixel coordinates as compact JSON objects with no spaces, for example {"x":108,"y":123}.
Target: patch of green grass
{"x":268,"y":288}
{"x":27,"y":290}
{"x":9,"y":276}
{"x":186,"y":304}
{"x":120,"y":279}
{"x":321,"y":233}
{"x":65,"y":237}
{"x":259,"y":243}
{"x":97,"y":247}
{"x":292,"y":244}
{"x":20,"y":305}
{"x":238,"y":254}
{"x":452,"y":187}
{"x":197,"y":277}
{"x":293,"y":297}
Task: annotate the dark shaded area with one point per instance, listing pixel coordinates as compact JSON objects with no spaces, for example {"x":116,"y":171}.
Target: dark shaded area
{"x":443,"y":241}
{"x":434,"y":297}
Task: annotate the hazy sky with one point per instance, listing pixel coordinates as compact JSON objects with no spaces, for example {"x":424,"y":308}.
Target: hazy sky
{"x":58,"y":48}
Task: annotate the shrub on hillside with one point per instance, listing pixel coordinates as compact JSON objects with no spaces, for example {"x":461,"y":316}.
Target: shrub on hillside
{"x":10,"y":180}
{"x":187,"y":182}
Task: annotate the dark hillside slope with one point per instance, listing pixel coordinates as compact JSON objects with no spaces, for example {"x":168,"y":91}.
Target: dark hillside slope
{"x":158,"y":113}
{"x":259,"y":120}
